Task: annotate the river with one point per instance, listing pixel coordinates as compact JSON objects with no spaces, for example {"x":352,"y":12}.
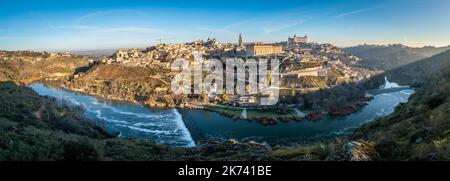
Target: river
{"x":182,"y":127}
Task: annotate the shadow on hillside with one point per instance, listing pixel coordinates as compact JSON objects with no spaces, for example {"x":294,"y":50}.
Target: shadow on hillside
{"x":342,"y":99}
{"x":418,"y":73}
{"x":415,"y":74}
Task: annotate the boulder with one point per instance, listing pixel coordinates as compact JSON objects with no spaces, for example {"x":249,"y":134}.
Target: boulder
{"x":355,"y":151}
{"x":232,"y":142}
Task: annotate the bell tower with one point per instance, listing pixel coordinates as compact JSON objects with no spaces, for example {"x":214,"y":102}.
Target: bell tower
{"x":240,"y":41}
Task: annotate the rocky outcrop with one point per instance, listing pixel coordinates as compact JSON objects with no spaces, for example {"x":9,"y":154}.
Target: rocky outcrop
{"x":355,"y":151}
{"x":27,"y":67}
{"x":315,"y":116}
{"x":231,"y":150}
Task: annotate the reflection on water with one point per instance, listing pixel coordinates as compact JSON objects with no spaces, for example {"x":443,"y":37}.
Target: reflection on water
{"x":179,"y":127}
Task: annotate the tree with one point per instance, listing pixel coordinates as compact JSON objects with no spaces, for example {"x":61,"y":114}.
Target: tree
{"x":224,"y":97}
{"x":292,"y":92}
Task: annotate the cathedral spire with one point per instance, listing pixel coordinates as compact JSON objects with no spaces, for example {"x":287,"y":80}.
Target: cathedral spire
{"x":240,"y":42}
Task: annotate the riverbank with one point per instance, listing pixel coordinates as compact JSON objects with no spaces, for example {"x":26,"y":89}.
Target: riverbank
{"x":208,"y":124}
{"x":272,"y":115}
{"x":135,"y":120}
{"x":42,"y":136}
{"x":285,"y":114}
{"x":263,"y":117}
{"x":132,"y":120}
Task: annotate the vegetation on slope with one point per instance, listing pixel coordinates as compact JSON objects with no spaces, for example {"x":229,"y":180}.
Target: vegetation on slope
{"x":422,"y":71}
{"x":392,"y":56}
{"x":419,"y":129}
{"x":27,"y":66}
{"x":39,"y":128}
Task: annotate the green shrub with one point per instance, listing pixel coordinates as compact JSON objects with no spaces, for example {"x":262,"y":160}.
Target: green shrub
{"x":80,"y":150}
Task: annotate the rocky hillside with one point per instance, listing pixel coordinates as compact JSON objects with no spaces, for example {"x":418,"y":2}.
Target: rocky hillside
{"x":27,"y":66}
{"x":419,"y":129}
{"x":422,"y":71}
{"x":392,"y":56}
{"x":147,"y":85}
{"x":40,"y":128}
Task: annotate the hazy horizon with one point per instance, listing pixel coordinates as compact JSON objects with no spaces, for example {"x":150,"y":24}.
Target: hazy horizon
{"x":98,"y":25}
{"x":141,"y":47}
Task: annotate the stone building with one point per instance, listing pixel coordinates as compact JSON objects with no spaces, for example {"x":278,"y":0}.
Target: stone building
{"x":240,"y":41}
{"x":298,"y":39}
{"x":258,"y":49}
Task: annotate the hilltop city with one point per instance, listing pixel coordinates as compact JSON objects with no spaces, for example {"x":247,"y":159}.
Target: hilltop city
{"x":315,"y":59}
{"x":315,"y":79}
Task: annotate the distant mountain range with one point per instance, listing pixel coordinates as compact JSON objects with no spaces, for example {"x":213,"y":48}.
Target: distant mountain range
{"x":95,"y":53}
{"x":388,"y":57}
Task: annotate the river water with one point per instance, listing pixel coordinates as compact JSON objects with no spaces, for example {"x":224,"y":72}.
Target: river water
{"x":182,"y":127}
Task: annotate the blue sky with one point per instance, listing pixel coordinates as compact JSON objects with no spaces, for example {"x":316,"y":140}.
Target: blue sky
{"x":94,"y":24}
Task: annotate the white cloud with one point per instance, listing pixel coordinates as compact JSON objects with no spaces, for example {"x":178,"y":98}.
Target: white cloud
{"x":262,"y":24}
{"x":75,"y":27}
{"x":127,"y":29}
{"x":132,"y":30}
{"x":88,"y":16}
{"x":350,"y":13}
{"x":272,"y":27}
{"x":110,"y":13}
{"x":14,"y":37}
{"x":230,"y":29}
{"x":266,"y":26}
